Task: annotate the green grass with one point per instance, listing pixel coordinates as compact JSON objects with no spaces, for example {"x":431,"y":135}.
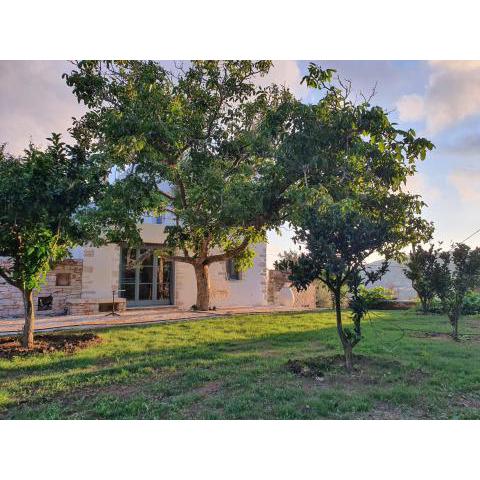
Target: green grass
{"x":228,"y":368}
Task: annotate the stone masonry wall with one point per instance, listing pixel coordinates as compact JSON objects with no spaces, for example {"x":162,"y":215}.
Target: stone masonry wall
{"x":11,"y":302}
{"x":302,"y":298}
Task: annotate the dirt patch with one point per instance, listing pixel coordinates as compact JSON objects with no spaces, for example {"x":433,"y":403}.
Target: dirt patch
{"x":367,"y":371}
{"x":11,"y":347}
{"x":467,"y":337}
{"x":208,"y":388}
{"x":319,"y":366}
{"x":388,"y":411}
{"x":467,"y":401}
{"x":432,"y":335}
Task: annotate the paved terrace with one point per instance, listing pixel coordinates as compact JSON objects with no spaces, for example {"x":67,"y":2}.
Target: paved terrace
{"x":133,"y":316}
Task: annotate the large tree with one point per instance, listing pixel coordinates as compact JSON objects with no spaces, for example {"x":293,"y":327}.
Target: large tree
{"x":455,"y":273}
{"x":204,"y":142}
{"x":40,"y":193}
{"x":362,"y":209}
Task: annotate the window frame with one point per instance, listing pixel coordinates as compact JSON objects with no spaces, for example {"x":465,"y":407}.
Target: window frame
{"x":67,"y":275}
{"x":232,"y":273}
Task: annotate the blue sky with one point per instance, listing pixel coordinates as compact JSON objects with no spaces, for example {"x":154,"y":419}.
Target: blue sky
{"x":440,"y":100}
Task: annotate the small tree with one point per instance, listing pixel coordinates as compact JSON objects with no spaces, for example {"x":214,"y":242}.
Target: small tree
{"x":40,"y":192}
{"x":359,"y":207}
{"x":419,"y":269}
{"x":338,"y":238}
{"x":454,"y":274}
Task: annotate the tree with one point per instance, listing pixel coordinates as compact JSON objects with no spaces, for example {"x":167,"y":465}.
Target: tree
{"x":419,"y":269}
{"x":287,"y":256}
{"x":362,"y":209}
{"x":40,"y":191}
{"x":454,"y":274}
{"x":338,"y":238}
{"x":205,"y":143}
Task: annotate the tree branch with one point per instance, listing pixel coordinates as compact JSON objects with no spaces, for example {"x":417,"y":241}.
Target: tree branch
{"x":179,"y":258}
{"x":4,"y":275}
{"x":167,"y":195}
{"x":229,"y":253}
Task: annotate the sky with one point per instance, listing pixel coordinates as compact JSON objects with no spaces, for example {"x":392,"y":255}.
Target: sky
{"x":439,"y":99}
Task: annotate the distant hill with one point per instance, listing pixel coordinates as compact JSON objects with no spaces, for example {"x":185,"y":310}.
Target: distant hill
{"x":396,"y":280}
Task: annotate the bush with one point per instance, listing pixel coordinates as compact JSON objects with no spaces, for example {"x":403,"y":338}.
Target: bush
{"x":434,"y":307}
{"x":471,"y":305}
{"x":324,"y":298}
{"x":376,"y":297}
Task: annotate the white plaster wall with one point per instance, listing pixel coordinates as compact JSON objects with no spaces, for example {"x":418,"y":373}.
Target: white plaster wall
{"x":152,"y":233}
{"x":250,"y":290}
{"x":185,"y":285}
{"x":100,"y":271}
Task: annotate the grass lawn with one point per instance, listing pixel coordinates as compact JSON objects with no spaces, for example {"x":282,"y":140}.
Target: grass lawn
{"x":231,"y":368}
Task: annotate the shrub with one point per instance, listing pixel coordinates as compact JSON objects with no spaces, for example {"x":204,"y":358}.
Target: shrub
{"x":324,"y":298}
{"x":435,"y":306}
{"x":471,"y":305}
{"x":376,"y":297}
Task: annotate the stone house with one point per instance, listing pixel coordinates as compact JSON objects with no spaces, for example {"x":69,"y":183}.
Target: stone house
{"x":139,"y":278}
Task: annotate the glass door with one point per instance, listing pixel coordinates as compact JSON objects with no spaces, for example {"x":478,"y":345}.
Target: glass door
{"x":145,"y":278}
{"x":128,"y":274}
{"x":164,"y":281}
{"x":145,"y":267}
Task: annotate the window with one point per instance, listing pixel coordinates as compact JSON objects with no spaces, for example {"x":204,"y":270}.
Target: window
{"x":232,"y":271}
{"x":63,"y":280}
{"x":45,"y":303}
{"x":160,"y":220}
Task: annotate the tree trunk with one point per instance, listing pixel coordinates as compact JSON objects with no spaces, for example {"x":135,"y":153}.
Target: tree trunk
{"x":347,"y":347}
{"x":454,"y":323}
{"x":348,"y":350}
{"x":27,"y":337}
{"x":203,"y":287}
{"x":424,"y":303}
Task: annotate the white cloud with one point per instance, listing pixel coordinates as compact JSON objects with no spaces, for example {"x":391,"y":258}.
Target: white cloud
{"x":418,"y":184}
{"x":34,"y":102}
{"x":452,"y":95}
{"x":467,"y":183}
{"x":411,"y":108}
{"x":287,"y":73}
{"x":456,"y":65}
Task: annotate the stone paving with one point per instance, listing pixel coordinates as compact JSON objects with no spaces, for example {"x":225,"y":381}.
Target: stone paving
{"x":132,"y":316}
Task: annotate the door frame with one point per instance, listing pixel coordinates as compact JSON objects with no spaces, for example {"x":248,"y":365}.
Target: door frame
{"x":148,"y":303}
